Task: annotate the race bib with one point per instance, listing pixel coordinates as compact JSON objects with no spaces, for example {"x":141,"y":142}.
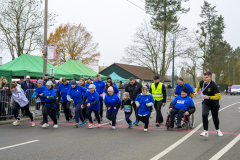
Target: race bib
{"x":127,"y":108}
{"x":180,"y":101}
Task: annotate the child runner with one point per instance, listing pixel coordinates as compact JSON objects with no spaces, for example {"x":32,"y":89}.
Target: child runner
{"x":126,"y":105}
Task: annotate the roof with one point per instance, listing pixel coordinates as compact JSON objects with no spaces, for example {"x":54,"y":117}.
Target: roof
{"x":142,"y":73}
{"x":33,"y":66}
{"x":78,"y":68}
{"x":116,"y":78}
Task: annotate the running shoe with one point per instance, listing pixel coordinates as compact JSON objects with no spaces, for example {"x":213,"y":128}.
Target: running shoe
{"x":70,"y":120}
{"x":82,"y":123}
{"x":130,"y":125}
{"x":91,"y":126}
{"x":136,"y":123}
{"x":219,"y":133}
{"x":55,"y":126}
{"x":157,"y":124}
{"x":99,"y":125}
{"x":113,"y":127}
{"x":17,"y":123}
{"x":45,"y":125}
{"x":145,"y":130}
{"x":204,"y":134}
{"x":110,"y":122}
{"x":33,"y":123}
{"x":77,"y":125}
{"x":179,"y":125}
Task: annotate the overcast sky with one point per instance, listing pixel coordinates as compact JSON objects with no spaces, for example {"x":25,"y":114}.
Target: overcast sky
{"x":113,"y":22}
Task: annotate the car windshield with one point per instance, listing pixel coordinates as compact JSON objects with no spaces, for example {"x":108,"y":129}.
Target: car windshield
{"x":236,"y":87}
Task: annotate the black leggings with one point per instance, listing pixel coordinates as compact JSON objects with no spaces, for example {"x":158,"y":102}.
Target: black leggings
{"x":101,"y":107}
{"x":52,"y":115}
{"x":158,"y":106}
{"x":145,"y":120}
{"x":89,"y":112}
{"x":112,"y":115}
{"x":66,"y":108}
{"x":25,"y":108}
{"x":135,"y":110}
{"x":205,"y":111}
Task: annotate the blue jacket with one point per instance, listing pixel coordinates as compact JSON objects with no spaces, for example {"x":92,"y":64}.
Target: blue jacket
{"x":143,"y":100}
{"x":50,"y":92}
{"x":64,"y":91}
{"x":112,"y":101}
{"x":39,"y":91}
{"x":183,"y":103}
{"x":87,"y":86}
{"x":24,"y":86}
{"x":76,"y":94}
{"x":99,"y":87}
{"x":91,"y":97}
{"x":179,"y":88}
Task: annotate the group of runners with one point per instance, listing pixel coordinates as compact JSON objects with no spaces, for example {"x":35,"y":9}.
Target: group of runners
{"x":136,"y":98}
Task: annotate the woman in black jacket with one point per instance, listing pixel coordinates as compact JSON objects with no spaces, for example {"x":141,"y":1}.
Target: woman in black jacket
{"x":4,"y":97}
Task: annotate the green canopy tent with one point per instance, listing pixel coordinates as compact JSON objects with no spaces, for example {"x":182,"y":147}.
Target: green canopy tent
{"x":32,"y":66}
{"x":116,"y":78}
{"x":79,"y":70}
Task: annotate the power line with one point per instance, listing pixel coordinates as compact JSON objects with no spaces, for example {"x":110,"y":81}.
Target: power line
{"x":136,"y":5}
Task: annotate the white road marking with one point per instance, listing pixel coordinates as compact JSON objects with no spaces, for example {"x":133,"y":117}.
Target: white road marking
{"x":20,"y":144}
{"x":163,"y":153}
{"x":226,"y":148}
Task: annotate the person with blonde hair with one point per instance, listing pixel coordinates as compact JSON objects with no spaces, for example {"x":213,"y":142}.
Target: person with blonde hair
{"x":4,"y":96}
{"x":126,"y":105}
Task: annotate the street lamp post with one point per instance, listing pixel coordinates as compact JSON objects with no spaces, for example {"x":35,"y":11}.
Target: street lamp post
{"x":45,"y":39}
{"x":173,"y":62}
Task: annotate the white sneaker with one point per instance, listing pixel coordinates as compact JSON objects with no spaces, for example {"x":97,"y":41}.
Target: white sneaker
{"x":90,"y":126}
{"x":55,"y":126}
{"x":110,"y":122}
{"x":145,"y":130}
{"x":113,"y":127}
{"x":33,"y":123}
{"x":45,"y":125}
{"x":17,"y":123}
{"x":219,"y":133}
{"x":204,"y":134}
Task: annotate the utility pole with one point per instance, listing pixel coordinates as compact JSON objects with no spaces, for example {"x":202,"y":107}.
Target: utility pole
{"x":173,"y":63}
{"x":228,"y":75}
{"x":233,"y":74}
{"x":45,"y":40}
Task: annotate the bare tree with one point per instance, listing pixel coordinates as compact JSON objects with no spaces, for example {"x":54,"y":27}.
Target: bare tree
{"x":21,"y":24}
{"x":147,"y":48}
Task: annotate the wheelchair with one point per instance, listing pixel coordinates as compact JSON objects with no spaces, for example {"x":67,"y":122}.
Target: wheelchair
{"x":187,"y":121}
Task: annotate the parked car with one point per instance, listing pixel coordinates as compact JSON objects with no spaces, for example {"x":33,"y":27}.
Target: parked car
{"x":235,"y":89}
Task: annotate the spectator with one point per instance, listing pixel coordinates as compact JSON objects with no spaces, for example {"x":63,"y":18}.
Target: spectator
{"x":120,"y":85}
{"x":89,"y":81}
{"x":169,"y":86}
{"x":59,"y":82}
{"x":124,"y":86}
{"x":45,"y":79}
{"x":4,"y":97}
{"x":36,"y":82}
{"x":226,"y":90}
{"x":28,"y":88}
{"x":54,"y":83}
{"x":147,"y":85}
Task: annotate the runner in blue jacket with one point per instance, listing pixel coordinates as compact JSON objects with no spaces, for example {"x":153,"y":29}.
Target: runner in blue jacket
{"x":62,"y":91}
{"x":113,"y":103}
{"x":91,"y":103}
{"x":75,"y":95}
{"x":144,"y":101}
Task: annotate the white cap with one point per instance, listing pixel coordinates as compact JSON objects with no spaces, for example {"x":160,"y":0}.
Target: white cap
{"x":92,"y":86}
{"x":28,"y":77}
{"x":49,"y":83}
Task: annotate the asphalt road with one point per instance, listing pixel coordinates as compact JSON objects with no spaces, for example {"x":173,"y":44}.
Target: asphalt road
{"x":68,"y":142}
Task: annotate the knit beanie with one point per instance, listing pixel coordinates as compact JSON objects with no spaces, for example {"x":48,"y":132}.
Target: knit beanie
{"x":185,"y":89}
{"x":40,"y":81}
{"x":110,"y":89}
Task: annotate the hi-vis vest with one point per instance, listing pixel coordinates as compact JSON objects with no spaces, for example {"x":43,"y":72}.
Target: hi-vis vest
{"x":157,"y":92}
